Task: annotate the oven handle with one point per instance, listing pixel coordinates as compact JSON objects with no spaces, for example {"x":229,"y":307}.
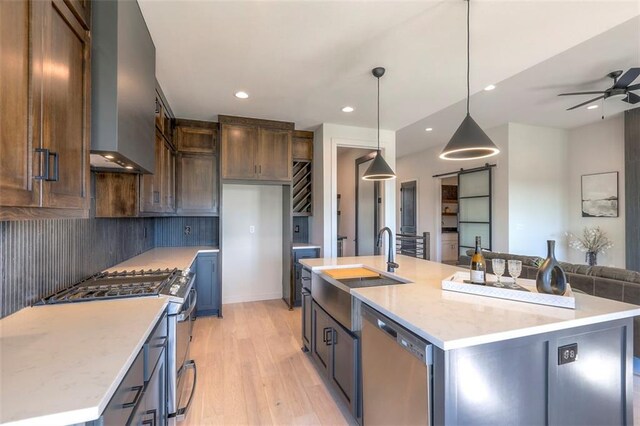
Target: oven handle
{"x":181,"y":414}
{"x":184,"y":316}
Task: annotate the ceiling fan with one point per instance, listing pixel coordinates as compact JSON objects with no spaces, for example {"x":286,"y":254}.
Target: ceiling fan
{"x":621,"y":88}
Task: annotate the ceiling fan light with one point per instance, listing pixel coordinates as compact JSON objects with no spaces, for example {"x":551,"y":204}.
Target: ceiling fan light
{"x":379,"y":169}
{"x":469,"y":142}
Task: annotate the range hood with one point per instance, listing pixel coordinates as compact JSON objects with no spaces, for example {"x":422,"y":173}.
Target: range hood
{"x":123,"y":62}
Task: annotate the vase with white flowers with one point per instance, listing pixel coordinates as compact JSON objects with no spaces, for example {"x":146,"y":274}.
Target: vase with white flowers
{"x":592,"y":241}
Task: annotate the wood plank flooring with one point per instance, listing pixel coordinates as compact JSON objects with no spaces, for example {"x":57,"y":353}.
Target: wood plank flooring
{"x":251,"y":371}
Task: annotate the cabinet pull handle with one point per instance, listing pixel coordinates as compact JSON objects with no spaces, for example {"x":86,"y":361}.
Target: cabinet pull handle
{"x":44,"y":164}
{"x":255,"y":169}
{"x":326,"y":339}
{"x":260,"y":169}
{"x":151,"y":421}
{"x":56,"y":168}
{"x":138,"y":390}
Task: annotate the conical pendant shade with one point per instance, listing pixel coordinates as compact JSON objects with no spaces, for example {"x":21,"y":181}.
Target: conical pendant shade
{"x":469,"y":142}
{"x":379,"y":169}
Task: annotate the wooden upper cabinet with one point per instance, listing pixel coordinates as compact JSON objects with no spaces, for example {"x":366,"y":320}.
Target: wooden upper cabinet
{"x":65,"y":112}
{"x":195,"y":136}
{"x":17,"y":80}
{"x":116,"y":194}
{"x":44,"y":124}
{"x":157,"y":190}
{"x":197,"y":184}
{"x":239,"y":151}
{"x":253,"y":149}
{"x":274,"y":155}
{"x":302,"y":145}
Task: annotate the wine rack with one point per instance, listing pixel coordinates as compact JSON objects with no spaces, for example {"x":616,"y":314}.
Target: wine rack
{"x":301,"y":190}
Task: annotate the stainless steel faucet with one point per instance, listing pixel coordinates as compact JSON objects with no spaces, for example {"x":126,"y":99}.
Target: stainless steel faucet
{"x":391,"y":265}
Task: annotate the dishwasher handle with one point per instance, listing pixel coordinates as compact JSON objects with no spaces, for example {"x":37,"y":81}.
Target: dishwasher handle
{"x":384,"y":327}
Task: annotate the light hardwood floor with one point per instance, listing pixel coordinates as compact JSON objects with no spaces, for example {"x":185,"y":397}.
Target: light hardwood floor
{"x":251,"y":371}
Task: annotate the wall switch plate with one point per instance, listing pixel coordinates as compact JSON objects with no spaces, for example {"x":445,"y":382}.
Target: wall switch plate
{"x":567,"y":353}
{"x":187,"y":230}
{"x":252,"y":229}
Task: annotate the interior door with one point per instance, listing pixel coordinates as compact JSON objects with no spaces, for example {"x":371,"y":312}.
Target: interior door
{"x":474,"y":209}
{"x":408,"y":198}
{"x":367,"y":209}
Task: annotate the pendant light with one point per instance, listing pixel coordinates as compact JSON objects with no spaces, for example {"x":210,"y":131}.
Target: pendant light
{"x":469,"y":142}
{"x":379,"y":169}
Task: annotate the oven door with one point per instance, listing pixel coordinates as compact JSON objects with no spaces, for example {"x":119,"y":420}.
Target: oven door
{"x":184,"y":329}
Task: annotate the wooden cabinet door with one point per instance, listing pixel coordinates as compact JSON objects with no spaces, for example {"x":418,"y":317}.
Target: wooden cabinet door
{"x":19,"y":119}
{"x":169,"y":179}
{"x":239,"y":151}
{"x":197,"y":184}
{"x":321,"y":337}
{"x":196,"y":139}
{"x":208,"y":302}
{"x":274,"y":155}
{"x":302,"y":145}
{"x":65,"y":113}
{"x":151,"y":186}
{"x":343,"y":365}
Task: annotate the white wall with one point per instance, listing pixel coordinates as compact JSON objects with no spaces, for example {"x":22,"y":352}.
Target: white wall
{"x":346,"y":187}
{"x":538,"y":189}
{"x":597,"y":148}
{"x":326,"y":141}
{"x":252,"y":262}
{"x":423,"y":165}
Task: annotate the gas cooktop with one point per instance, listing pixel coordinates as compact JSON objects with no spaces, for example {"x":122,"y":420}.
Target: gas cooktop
{"x":120,"y":284}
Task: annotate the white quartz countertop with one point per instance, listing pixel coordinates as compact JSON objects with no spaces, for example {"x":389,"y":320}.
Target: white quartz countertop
{"x":61,"y":364}
{"x":452,"y":320}
{"x":299,"y":246}
{"x":164,"y":258}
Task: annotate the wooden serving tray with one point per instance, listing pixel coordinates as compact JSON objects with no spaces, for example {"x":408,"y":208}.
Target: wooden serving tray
{"x":346,"y":273}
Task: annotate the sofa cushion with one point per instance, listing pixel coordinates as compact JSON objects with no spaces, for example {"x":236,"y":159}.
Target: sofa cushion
{"x":615,"y":274}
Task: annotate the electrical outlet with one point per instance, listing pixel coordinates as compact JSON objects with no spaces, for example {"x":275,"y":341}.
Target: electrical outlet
{"x":567,"y":353}
{"x":252,"y":229}
{"x":187,"y":230}
{"x":296,"y":228}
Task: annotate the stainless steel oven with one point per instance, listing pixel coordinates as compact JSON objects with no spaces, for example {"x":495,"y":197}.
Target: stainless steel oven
{"x":181,"y":320}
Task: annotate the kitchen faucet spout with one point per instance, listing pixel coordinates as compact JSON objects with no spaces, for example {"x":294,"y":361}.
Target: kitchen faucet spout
{"x":391,"y":265}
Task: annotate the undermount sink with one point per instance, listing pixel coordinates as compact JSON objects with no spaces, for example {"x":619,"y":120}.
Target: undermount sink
{"x":370,"y":281}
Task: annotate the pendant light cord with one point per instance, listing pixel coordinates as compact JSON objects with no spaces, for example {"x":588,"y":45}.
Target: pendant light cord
{"x":378,"y":114}
{"x":468,"y":56}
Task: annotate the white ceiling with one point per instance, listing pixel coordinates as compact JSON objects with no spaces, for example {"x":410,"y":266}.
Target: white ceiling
{"x":302,"y":61}
{"x":531,"y":97}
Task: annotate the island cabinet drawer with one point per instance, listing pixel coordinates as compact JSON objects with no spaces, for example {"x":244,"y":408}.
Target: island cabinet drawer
{"x":154,"y":346}
{"x":127,"y":395}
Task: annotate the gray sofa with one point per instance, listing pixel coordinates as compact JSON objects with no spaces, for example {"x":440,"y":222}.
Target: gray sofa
{"x":603,"y":281}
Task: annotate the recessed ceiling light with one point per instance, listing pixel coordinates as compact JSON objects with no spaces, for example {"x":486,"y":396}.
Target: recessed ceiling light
{"x":129,"y":167}
{"x":108,"y":157}
{"x":489,"y":87}
{"x":347,"y":109}
{"x":592,"y":107}
{"x":428,"y":129}
{"x":242,"y":95}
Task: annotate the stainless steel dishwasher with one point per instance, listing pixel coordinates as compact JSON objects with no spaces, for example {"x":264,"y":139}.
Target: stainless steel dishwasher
{"x":396,"y":373}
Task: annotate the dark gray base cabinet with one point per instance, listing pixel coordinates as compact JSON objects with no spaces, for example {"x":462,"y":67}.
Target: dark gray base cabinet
{"x":306,"y":309}
{"x":208,"y":285}
{"x":335,"y":352}
{"x":298,"y":255}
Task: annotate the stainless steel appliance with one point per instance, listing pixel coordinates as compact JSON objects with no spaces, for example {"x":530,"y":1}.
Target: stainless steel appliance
{"x":178,"y":287}
{"x":396,"y":373}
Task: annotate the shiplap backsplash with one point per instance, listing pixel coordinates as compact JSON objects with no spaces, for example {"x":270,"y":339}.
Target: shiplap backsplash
{"x":39,"y":257}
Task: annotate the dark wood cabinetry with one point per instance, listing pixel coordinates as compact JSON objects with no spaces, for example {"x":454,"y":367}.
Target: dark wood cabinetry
{"x":157,"y":190}
{"x":207,"y":285}
{"x":116,"y":194}
{"x":44,"y":131}
{"x":335,"y":351}
{"x":258,"y":150}
{"x":196,"y":164}
{"x":302,"y":145}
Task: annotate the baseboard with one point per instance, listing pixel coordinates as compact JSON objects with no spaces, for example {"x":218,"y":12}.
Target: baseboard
{"x":253,"y":297}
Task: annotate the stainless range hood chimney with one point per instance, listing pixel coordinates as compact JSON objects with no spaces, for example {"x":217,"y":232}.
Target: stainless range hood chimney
{"x":123,"y":63}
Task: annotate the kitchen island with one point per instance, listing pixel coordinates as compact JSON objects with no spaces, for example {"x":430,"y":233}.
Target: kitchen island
{"x":497,"y":361}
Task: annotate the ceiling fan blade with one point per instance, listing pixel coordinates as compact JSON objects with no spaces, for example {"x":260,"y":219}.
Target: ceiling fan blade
{"x":632,"y":98}
{"x":582,"y":93}
{"x":585,"y":103}
{"x":627,"y":78}
{"x":634,"y":87}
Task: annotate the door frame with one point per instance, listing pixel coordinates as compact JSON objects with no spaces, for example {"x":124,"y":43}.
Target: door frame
{"x":376,"y":196}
